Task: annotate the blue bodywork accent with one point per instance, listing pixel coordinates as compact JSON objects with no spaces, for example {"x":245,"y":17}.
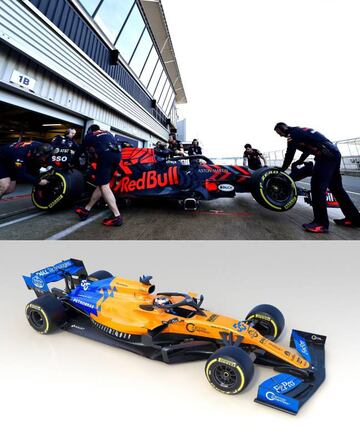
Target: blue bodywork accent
{"x":294,"y":387}
{"x":301,"y":346}
{"x":87,"y":296}
{"x":40,"y":279}
{"x":273,"y":392}
{"x":239,"y":326}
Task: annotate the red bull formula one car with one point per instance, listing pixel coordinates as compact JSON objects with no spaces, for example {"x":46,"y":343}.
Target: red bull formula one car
{"x":142,"y":173}
{"x":175,"y":327}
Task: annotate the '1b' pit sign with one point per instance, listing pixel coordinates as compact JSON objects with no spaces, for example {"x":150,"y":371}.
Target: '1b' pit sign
{"x":23,"y":80}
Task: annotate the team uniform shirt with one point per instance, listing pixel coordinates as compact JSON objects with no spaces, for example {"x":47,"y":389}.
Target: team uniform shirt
{"x":253,"y":158}
{"x":194,"y":150}
{"x":65,"y":151}
{"x":309,"y":142}
{"x":106,"y":152}
{"x":15,"y":161}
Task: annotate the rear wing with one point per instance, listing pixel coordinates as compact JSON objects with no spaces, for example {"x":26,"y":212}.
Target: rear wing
{"x":39,"y":280}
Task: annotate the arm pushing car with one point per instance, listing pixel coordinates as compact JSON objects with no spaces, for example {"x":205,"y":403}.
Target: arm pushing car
{"x":175,"y":327}
{"x":325,"y":174}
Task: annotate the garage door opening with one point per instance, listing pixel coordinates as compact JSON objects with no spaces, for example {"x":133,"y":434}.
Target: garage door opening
{"x":17,"y":123}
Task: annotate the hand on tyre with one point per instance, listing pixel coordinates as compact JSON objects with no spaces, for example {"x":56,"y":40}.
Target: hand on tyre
{"x":43,"y":182}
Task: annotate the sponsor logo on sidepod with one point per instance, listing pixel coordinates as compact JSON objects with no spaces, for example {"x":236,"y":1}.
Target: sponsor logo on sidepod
{"x":226,"y":187}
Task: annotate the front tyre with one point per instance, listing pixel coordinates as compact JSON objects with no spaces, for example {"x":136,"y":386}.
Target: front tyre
{"x":64,"y":188}
{"x":45,"y":314}
{"x":273,"y":189}
{"x":229,"y":370}
{"x":268,"y":320}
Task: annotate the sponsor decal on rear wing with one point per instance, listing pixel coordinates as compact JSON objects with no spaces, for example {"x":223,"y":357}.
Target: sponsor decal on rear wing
{"x":40,"y":279}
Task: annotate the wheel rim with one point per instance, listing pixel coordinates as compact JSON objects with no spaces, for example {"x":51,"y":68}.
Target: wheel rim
{"x":37,"y":319}
{"x":265,"y":328}
{"x":225,"y":376}
{"x":44,"y":195}
{"x":278,"y":189}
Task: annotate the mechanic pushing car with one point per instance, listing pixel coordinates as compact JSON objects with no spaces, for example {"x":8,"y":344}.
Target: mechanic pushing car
{"x":103,"y":149}
{"x":253,"y":157}
{"x":66,"y":151}
{"x":326,"y":174}
{"x":22,"y":161}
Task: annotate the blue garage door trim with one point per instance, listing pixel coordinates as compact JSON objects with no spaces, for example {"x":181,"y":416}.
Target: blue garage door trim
{"x":70,"y":22}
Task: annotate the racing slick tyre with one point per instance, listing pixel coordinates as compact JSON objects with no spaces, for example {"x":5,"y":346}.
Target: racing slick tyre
{"x":269,"y":321}
{"x":100,"y":275}
{"x":273,"y":189}
{"x":229,"y":370}
{"x":45,"y":314}
{"x":63,"y":189}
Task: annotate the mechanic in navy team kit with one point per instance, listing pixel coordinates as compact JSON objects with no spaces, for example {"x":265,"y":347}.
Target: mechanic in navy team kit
{"x":21,"y":161}
{"x":195,"y":149}
{"x":103,"y":149}
{"x":326,"y":174}
{"x":66,"y":150}
{"x":253,"y":157}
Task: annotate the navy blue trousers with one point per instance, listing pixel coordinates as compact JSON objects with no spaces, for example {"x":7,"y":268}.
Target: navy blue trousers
{"x":326,"y":174}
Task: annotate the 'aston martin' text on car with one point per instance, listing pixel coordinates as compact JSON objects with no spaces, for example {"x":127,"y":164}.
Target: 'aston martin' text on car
{"x":144,"y":174}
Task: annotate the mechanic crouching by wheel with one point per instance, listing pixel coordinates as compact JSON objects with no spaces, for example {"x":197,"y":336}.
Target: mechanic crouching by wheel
{"x":21,"y":161}
{"x":253,"y":157}
{"x":103,"y":149}
{"x":326,"y":174}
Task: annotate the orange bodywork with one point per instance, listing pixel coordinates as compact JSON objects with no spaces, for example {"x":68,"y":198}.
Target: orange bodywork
{"x":126,"y":306}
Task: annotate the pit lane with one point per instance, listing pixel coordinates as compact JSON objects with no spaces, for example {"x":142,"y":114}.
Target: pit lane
{"x":241,"y":218}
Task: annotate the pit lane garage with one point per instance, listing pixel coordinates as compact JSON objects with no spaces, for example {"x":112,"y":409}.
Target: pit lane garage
{"x":17,"y":122}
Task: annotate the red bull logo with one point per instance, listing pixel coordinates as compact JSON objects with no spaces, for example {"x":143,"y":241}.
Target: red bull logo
{"x":148,"y":180}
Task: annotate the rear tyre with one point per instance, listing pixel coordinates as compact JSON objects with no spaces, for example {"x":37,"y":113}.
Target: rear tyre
{"x":64,"y":188}
{"x":270,"y":322}
{"x":45,"y":314}
{"x":229,"y":370}
{"x":100,"y":275}
{"x":273,"y":189}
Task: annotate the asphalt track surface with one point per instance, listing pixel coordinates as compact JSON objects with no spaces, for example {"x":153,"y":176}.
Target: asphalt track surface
{"x":241,"y":218}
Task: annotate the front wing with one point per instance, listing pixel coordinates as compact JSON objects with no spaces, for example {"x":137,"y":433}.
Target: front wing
{"x":288,"y":391}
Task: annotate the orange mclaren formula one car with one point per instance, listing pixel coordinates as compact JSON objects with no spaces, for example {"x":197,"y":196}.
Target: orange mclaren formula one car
{"x":174,"y":327}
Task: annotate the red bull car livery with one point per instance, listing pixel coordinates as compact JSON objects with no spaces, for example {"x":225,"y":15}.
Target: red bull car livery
{"x":144,"y":174}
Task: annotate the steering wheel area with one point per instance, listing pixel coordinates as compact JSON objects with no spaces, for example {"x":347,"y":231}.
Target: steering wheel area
{"x":187,"y":300}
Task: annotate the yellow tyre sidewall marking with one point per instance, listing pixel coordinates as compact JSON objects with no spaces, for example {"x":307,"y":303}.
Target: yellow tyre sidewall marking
{"x":292,"y":201}
{"x":272,"y":322}
{"x":59,"y":197}
{"x":242,"y":376}
{"x":40,"y":310}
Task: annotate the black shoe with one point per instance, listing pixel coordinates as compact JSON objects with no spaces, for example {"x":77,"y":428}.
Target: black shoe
{"x":346,"y":222}
{"x":82,"y":213}
{"x":113,"y":221}
{"x":314,"y":227}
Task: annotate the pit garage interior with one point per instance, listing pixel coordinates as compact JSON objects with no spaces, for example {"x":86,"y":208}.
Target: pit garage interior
{"x":17,"y":123}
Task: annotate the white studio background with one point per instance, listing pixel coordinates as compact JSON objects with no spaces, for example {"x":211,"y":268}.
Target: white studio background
{"x":59,"y":386}
{"x":247,"y":65}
